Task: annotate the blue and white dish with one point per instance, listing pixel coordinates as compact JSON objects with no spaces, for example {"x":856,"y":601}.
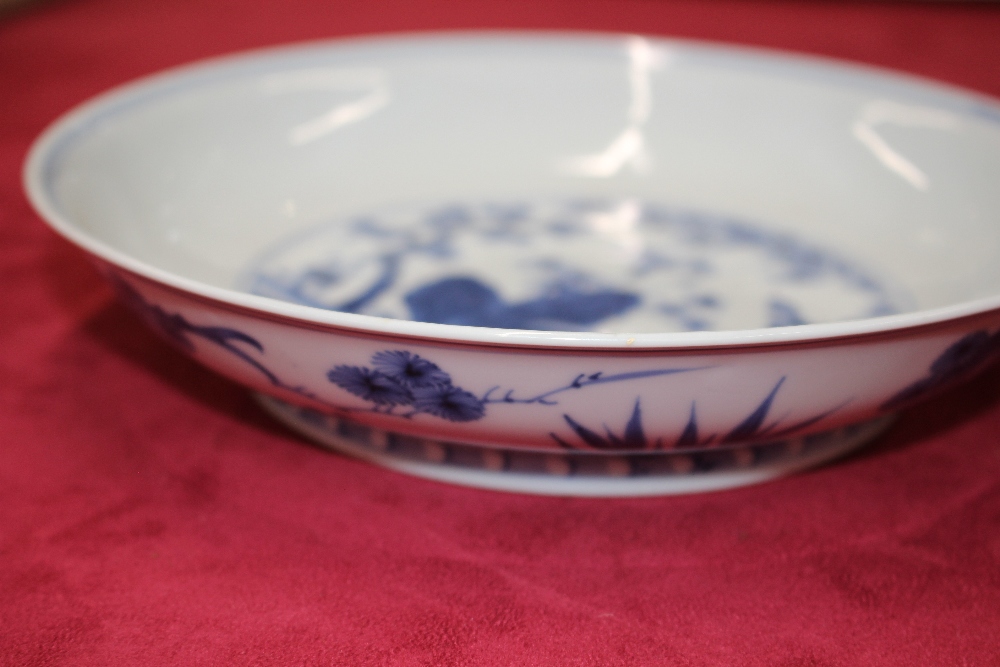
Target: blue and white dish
{"x":559,"y":263}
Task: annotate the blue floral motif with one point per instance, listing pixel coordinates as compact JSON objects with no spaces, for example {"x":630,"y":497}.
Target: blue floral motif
{"x":401,"y":378}
{"x":959,"y":360}
{"x":370,"y":385}
{"x":448,"y":402}
{"x":409,"y":369}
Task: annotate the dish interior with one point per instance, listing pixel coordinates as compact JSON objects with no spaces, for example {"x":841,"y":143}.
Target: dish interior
{"x":546,"y":182}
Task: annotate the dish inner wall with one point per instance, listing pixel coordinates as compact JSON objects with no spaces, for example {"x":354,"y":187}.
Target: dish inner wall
{"x":839,"y":192}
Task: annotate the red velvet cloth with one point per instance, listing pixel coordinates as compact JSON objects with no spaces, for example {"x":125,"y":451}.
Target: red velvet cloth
{"x":151,"y":514}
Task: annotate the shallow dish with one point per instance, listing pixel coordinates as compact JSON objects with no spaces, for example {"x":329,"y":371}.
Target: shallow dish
{"x":559,"y":263}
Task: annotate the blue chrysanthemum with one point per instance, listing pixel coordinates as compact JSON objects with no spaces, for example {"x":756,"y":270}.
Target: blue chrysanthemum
{"x":370,"y":385}
{"x":409,"y":369}
{"x":448,"y":402}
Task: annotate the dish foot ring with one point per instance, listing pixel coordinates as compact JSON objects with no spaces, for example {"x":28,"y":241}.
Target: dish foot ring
{"x":564,"y":473}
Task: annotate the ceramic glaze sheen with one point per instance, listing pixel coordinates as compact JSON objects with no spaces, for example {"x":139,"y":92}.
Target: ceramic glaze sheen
{"x":595,"y":265}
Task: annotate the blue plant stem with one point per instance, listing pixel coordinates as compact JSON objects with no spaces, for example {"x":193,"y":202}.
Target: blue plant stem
{"x":579,"y":382}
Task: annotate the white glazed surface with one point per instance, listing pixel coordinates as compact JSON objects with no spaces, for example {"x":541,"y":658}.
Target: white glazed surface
{"x":521,"y":398}
{"x":693,"y":199}
{"x":191,"y":178}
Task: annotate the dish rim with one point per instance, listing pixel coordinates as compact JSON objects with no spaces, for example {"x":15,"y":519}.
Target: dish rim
{"x":47,"y":147}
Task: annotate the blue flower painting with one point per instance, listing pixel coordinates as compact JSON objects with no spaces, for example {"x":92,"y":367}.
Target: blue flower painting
{"x":448,"y":402}
{"x":400,"y":378}
{"x":374,"y":386}
{"x":410,"y":369}
{"x":406,"y":384}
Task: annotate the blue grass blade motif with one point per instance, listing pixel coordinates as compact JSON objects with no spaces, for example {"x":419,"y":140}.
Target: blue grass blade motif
{"x":751,"y":426}
{"x":634,"y":437}
{"x":223,"y":336}
{"x":806,"y":423}
{"x":562,"y":443}
{"x":961,"y":359}
{"x":176,"y":328}
{"x":613,"y":440}
{"x":689,"y":437}
{"x":588,"y":436}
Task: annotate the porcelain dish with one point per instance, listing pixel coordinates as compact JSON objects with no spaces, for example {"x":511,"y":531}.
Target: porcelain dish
{"x":582,"y":264}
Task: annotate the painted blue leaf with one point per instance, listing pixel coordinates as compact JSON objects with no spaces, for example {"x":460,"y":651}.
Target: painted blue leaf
{"x":634,"y":437}
{"x":179,"y":330}
{"x":613,"y":440}
{"x":960,"y":359}
{"x":586,"y":434}
{"x":689,"y":438}
{"x":464,"y":300}
{"x":805,"y":423}
{"x":223,"y":335}
{"x":751,"y":426}
{"x":562,"y":443}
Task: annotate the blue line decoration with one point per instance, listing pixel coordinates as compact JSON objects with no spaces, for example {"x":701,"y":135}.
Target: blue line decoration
{"x":579,"y":382}
{"x":961,"y":359}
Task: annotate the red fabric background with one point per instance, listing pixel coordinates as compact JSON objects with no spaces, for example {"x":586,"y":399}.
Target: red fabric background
{"x":151,"y":514}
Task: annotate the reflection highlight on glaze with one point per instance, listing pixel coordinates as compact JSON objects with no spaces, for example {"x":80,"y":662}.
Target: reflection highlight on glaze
{"x":881,"y":112}
{"x":372,"y":83}
{"x":629,"y":147}
{"x":620,"y":224}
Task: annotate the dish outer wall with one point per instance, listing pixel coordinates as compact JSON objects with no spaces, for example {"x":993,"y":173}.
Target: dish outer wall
{"x":543,"y":390}
{"x":600,"y":400}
